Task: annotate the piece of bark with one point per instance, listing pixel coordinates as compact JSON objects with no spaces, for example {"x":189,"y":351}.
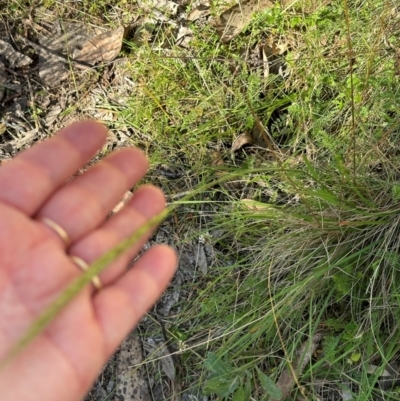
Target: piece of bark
{"x":15,"y":58}
{"x":101,"y":48}
{"x":3,"y":80}
{"x":200,"y":11}
{"x":131,"y":384}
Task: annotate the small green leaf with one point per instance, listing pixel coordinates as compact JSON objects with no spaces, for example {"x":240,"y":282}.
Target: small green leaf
{"x":269,"y":385}
{"x":355,"y":356}
{"x":396,"y":192}
{"x":247,"y":390}
{"x":221,"y":386}
{"x":330,"y":347}
{"x":326,"y":195}
{"x":311,"y":169}
{"x":216,"y":365}
{"x":239,"y":395}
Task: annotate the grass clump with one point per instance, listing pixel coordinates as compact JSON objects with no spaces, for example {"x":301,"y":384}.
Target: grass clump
{"x":321,"y":255}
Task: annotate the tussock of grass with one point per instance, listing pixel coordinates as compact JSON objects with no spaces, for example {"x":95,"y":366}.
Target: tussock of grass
{"x":323,"y":253}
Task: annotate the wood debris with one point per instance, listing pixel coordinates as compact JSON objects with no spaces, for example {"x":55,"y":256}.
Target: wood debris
{"x":101,"y":48}
{"x":131,"y":384}
{"x":73,"y":45}
{"x":3,"y":80}
{"x":15,"y":58}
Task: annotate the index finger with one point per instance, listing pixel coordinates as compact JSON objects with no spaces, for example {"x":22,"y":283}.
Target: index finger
{"x":28,"y":180}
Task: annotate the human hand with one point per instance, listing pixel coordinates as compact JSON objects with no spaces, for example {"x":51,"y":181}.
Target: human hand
{"x":36,"y":265}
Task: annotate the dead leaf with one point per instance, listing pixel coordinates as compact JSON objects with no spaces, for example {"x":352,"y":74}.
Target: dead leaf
{"x":55,"y":47}
{"x":232,"y":21}
{"x":52,"y":114}
{"x":200,"y":11}
{"x":217,"y":159}
{"x":200,"y":258}
{"x":265,"y":60}
{"x":160,"y":351}
{"x":271,"y":54}
{"x":16,"y":59}
{"x":101,"y":48}
{"x":287,"y":380}
{"x":167,"y":363}
{"x":243,"y":139}
{"x":184,"y":36}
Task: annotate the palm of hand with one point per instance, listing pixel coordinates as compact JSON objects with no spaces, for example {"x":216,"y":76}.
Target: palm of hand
{"x":35,"y":266}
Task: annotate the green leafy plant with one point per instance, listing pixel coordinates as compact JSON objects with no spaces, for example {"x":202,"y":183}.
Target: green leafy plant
{"x":222,"y":380}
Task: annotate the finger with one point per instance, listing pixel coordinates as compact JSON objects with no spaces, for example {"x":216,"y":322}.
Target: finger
{"x":119,"y":307}
{"x":145,"y":203}
{"x":84,"y":203}
{"x":28,"y":180}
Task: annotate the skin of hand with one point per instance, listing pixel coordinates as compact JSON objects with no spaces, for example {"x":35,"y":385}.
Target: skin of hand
{"x":62,"y":363}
